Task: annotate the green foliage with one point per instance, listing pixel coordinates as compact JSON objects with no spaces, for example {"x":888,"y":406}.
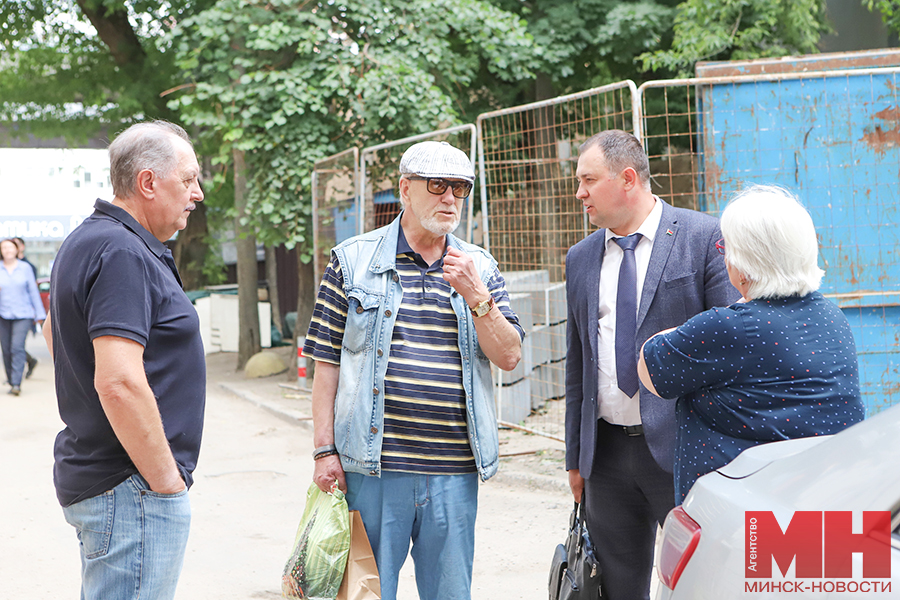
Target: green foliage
{"x":740,"y":29}
{"x":291,"y":82}
{"x":890,"y":12}
{"x":587,"y":43}
{"x":60,"y":77}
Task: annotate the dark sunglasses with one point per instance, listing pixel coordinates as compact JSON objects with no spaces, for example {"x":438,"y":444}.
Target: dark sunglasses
{"x":437,"y":186}
{"x":720,"y":246}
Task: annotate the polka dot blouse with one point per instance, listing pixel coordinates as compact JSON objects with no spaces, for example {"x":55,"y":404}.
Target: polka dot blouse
{"x":752,"y":373}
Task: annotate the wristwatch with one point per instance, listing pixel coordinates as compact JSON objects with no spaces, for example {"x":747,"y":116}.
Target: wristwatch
{"x":483,"y":308}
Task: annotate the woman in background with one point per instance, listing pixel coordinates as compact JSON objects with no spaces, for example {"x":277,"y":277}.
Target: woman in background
{"x":20,"y":309}
{"x":778,"y":364}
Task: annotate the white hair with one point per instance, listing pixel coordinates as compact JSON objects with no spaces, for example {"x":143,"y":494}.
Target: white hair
{"x":770,"y":238}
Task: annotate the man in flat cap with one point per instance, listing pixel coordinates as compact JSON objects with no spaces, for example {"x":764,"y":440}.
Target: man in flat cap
{"x":407,"y":320}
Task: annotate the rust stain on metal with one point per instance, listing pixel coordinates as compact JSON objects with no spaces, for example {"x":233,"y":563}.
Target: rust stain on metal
{"x":891,"y":390}
{"x":881,"y":140}
{"x":792,"y":64}
{"x":891,"y":113}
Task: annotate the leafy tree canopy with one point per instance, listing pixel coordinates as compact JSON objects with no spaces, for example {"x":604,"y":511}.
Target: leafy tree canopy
{"x":291,"y":82}
{"x":71,"y":67}
{"x":890,"y":12}
{"x":740,"y":29}
{"x":587,"y":43}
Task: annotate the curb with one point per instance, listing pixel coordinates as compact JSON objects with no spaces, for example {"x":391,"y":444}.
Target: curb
{"x":291,"y":416}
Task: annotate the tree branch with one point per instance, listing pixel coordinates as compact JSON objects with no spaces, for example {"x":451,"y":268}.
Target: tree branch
{"x":116,"y":32}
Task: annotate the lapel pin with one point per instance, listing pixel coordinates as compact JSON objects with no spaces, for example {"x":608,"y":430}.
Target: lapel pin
{"x":669,"y":232}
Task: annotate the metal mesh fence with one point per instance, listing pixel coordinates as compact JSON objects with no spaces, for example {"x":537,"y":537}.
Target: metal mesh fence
{"x":335,"y":206}
{"x":527,"y":158}
{"x":831,"y":137}
{"x":670,"y":126}
{"x":381,"y":173}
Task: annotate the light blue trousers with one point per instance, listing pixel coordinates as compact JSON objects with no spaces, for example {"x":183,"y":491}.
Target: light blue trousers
{"x":436,"y":513}
{"x":132,"y":541}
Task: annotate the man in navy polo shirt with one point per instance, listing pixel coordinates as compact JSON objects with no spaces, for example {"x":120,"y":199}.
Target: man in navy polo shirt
{"x":130,"y":371}
{"x":407,"y":321}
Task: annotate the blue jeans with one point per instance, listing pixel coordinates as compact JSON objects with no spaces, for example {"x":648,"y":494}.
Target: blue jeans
{"x":132,"y":541}
{"x":436,"y":512}
{"x":12,"y":340}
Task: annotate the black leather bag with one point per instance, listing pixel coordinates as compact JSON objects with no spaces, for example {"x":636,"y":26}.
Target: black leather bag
{"x":575,"y":570}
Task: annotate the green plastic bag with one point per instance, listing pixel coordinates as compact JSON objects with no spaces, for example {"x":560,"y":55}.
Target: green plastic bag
{"x":316,"y":565}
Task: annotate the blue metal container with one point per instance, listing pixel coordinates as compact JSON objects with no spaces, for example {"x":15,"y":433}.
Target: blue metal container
{"x":833,"y":138}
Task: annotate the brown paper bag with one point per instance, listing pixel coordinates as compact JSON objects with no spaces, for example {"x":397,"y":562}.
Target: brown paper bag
{"x":361,"y":580}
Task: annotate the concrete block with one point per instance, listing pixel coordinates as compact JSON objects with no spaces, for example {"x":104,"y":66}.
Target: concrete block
{"x":548,"y":382}
{"x":535,"y":277}
{"x":514,"y":401}
{"x":548,"y":301}
{"x":521,"y":304}
{"x":540,"y":344}
{"x":557,"y":342}
{"x":548,"y":343}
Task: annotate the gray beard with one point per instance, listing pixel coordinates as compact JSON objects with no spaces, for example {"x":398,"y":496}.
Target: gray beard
{"x":433,"y":225}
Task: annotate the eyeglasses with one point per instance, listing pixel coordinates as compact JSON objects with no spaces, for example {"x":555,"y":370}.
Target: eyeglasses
{"x":720,"y":246}
{"x":437,"y":186}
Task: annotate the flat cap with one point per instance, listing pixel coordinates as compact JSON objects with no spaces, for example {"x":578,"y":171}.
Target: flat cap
{"x":437,"y":159}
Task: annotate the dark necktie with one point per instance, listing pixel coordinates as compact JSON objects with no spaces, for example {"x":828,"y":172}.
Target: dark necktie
{"x":626,"y":316}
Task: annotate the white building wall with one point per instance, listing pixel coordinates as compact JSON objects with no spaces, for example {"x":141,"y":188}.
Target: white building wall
{"x":46,"y":192}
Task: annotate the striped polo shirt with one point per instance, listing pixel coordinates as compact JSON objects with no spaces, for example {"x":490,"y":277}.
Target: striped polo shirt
{"x":425,"y":427}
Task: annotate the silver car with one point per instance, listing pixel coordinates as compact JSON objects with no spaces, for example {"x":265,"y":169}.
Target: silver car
{"x":740,"y":523}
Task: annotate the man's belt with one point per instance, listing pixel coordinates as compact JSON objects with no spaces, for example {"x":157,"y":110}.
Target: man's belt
{"x":632,"y":430}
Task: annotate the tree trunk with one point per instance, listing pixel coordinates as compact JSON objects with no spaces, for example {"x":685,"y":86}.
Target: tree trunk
{"x":306,"y":299}
{"x":272,"y":280}
{"x":247,"y":274}
{"x":191,"y":248}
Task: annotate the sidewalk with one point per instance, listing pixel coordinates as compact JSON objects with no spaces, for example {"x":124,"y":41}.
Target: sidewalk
{"x":531,"y":461}
{"x":523,"y":511}
{"x":250,"y":485}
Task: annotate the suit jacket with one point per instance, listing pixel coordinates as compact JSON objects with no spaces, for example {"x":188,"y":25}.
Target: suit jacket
{"x":686,"y":276}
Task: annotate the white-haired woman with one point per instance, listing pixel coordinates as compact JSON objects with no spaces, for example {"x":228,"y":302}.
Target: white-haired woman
{"x":779,"y":364}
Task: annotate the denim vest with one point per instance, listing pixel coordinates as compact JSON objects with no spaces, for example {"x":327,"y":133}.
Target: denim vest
{"x":372,"y":286}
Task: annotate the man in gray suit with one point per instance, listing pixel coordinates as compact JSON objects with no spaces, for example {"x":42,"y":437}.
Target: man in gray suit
{"x":650,"y":267}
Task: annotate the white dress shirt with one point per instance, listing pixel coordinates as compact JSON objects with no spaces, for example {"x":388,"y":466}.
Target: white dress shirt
{"x":614,"y":406}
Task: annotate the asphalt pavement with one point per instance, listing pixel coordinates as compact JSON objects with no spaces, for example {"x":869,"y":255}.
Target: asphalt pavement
{"x":250,"y":486}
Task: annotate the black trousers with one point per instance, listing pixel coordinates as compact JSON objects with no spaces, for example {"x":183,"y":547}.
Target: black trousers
{"x":626,"y":496}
